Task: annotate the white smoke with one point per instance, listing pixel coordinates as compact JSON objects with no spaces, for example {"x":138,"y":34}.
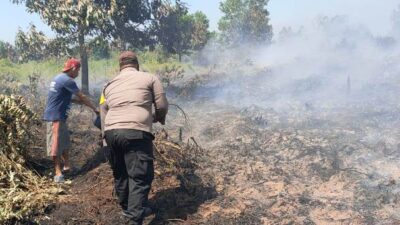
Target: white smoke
{"x":330,"y":63}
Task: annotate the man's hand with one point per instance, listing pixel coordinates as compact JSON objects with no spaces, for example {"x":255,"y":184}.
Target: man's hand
{"x":158,"y":118}
{"x":97,"y":111}
{"x":76,"y":101}
{"x":154,"y":118}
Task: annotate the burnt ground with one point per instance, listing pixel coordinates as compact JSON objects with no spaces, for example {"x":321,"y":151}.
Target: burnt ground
{"x":177,"y":190}
{"x":335,"y":166}
{"x":255,"y":166}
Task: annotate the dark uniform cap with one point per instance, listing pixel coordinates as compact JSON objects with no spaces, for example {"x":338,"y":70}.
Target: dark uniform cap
{"x":128,"y":57}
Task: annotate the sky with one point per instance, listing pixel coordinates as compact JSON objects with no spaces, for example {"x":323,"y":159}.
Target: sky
{"x":374,"y":14}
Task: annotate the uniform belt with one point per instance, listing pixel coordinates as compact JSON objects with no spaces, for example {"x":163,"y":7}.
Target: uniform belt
{"x":132,"y":133}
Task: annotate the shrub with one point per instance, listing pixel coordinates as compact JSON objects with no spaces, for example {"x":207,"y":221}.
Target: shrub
{"x":22,"y":192}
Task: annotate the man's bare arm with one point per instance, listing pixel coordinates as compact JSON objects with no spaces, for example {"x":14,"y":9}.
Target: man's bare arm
{"x":83,"y":99}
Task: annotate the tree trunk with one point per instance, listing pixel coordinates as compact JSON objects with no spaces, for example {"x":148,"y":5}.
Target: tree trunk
{"x":84,"y":63}
{"x":122,"y":43}
{"x":179,"y":51}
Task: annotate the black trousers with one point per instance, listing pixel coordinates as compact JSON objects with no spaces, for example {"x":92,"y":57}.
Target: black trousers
{"x":131,"y":159}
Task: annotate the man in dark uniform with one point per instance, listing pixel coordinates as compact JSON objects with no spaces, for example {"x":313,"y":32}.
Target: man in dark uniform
{"x":127,"y":117}
{"x":59,"y":99}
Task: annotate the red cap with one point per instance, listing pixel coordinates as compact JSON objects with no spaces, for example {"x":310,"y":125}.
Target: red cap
{"x":71,"y":63}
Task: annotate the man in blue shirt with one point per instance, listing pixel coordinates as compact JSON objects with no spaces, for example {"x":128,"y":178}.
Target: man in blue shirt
{"x":59,"y":99}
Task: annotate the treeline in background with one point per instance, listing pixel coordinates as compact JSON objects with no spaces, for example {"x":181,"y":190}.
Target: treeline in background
{"x":98,"y":29}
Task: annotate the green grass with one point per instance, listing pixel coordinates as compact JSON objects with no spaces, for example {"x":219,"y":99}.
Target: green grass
{"x":45,"y":69}
{"x":98,"y":69}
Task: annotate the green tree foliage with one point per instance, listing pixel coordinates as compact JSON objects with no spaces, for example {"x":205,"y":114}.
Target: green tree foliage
{"x":130,"y":22}
{"x":245,"y":21}
{"x":178,"y":31}
{"x":173,"y":27}
{"x":99,"y":48}
{"x":12,"y":55}
{"x":34,"y":45}
{"x":30,"y":45}
{"x":7,"y":51}
{"x":200,"y":33}
{"x":3,"y":50}
{"x":75,"y":20}
{"x":57,"y":47}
